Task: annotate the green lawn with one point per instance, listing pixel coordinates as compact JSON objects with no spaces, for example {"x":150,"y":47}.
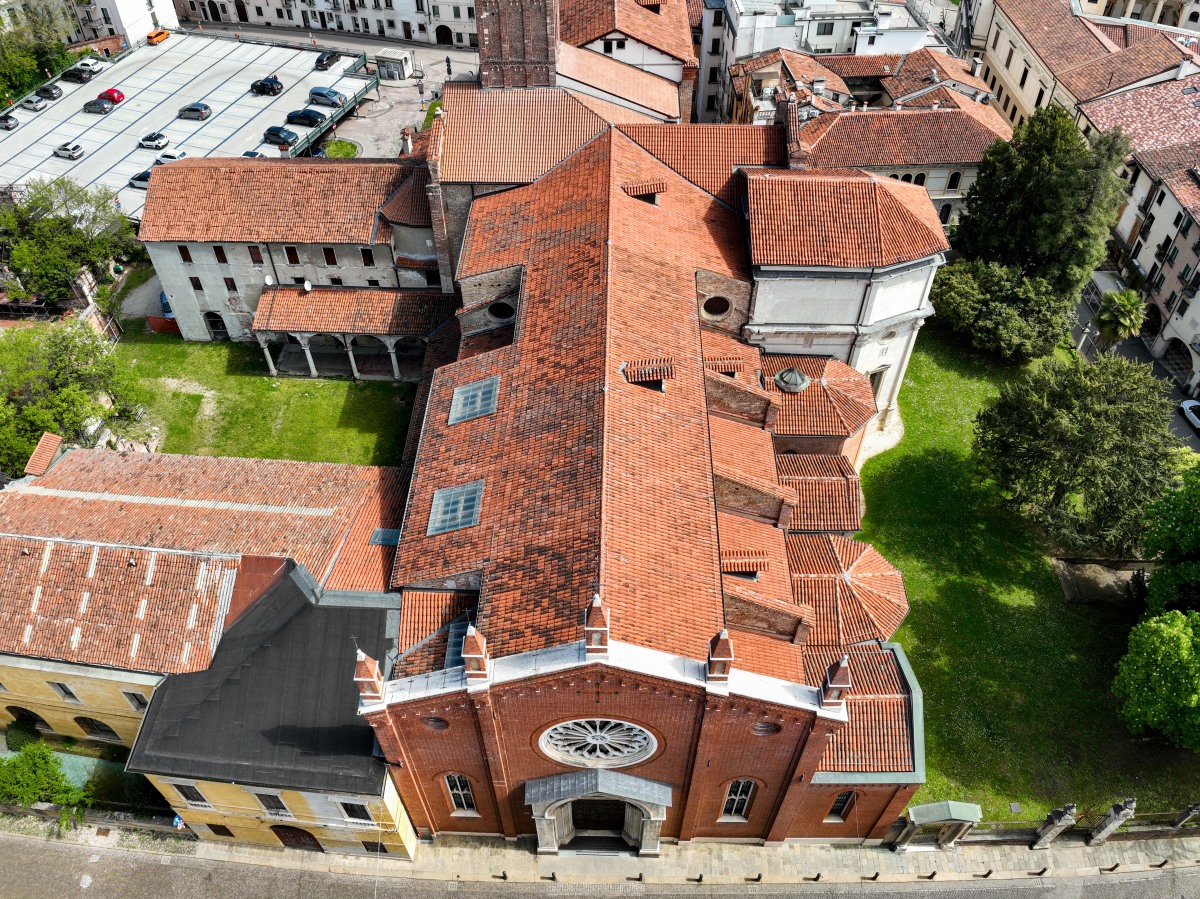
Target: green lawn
{"x":217,"y":399}
{"x":1016,"y":682}
{"x":341,"y":149}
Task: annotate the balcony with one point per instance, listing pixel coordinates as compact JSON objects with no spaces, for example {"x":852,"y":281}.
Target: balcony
{"x":1160,"y":252}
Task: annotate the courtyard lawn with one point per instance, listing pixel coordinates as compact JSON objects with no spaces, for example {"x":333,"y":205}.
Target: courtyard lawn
{"x":1016,"y":681}
{"x":218,"y":400}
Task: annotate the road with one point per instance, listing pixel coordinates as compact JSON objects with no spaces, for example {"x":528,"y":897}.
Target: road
{"x":34,"y":868}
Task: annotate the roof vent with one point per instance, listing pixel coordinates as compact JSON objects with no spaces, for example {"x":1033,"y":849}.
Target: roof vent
{"x":385,"y":537}
{"x":646,"y":191}
{"x":650,"y":372}
{"x":792,"y":380}
{"x":1190,"y":89}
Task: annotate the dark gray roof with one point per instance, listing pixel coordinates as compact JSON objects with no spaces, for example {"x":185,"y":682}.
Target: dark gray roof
{"x":596,"y":780}
{"x":278,"y":706}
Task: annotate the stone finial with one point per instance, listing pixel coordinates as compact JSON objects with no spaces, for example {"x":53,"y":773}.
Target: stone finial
{"x":837,"y":683}
{"x":720,"y":657}
{"x":475,"y":655}
{"x":368,"y":678}
{"x":595,"y":629}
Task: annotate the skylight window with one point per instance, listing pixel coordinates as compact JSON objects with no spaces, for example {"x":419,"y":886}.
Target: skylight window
{"x":455,"y":508}
{"x":474,"y":400}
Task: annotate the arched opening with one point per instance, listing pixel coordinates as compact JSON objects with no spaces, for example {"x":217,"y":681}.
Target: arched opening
{"x":944,"y":213}
{"x":919,"y":179}
{"x":98,"y":730}
{"x":1153,"y":322}
{"x":239,"y":6}
{"x":1194,"y":17}
{"x":443,"y":35}
{"x":297,"y":838}
{"x":24,"y":716}
{"x":214,"y":11}
{"x":216,"y":326}
{"x":955,"y":181}
{"x":906,"y":177}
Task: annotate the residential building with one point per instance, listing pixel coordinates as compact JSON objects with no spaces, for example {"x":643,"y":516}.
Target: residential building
{"x":132,"y":19}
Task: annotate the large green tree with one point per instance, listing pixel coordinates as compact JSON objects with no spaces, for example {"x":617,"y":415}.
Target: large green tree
{"x":1172,"y":539}
{"x":1158,"y":680}
{"x":1119,"y":317}
{"x":1044,"y":201}
{"x":32,"y":44}
{"x":1000,"y":309}
{"x":1081,"y":449}
{"x":57,"y":377}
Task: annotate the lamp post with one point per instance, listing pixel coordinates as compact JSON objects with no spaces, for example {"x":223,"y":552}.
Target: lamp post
{"x":1088,"y":331}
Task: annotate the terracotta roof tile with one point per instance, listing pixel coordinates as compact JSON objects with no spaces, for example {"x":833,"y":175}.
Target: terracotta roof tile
{"x":114,"y":606}
{"x":768,"y":656}
{"x":794,"y":67}
{"x":1152,"y":117}
{"x":423,"y":612}
{"x":619,"y":79}
{"x":837,"y":402}
{"x":1173,"y":165}
{"x":352,"y":310}
{"x":611,"y":112}
{"x":890,"y":137}
{"x":409,"y":204}
{"x":877,"y":737}
{"x":913,"y":72}
{"x":43,"y":454}
{"x":828,"y":491}
{"x":269,"y":200}
{"x":873,"y":669}
{"x":668,"y":30}
{"x":855,"y":593}
{"x":813,"y":219}
{"x":761,"y":547}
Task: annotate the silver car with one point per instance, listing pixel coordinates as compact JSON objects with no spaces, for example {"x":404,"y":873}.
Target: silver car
{"x":37,"y":104}
{"x":69,"y":151}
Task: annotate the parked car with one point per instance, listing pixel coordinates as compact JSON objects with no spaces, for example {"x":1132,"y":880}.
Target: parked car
{"x":1190,"y":409}
{"x":280,"y":136}
{"x":254,"y":154}
{"x":91,"y":64}
{"x":111,"y":94}
{"x":37,"y":104}
{"x":49,"y":91}
{"x":310,"y":118}
{"x":198,"y":111}
{"x":100,"y":107}
{"x":157,"y":36}
{"x":269,"y":85}
{"x":79,"y":76}
{"x":68,"y":151}
{"x":318,"y":153}
{"x":8,"y":123}
{"x":166,"y":306}
{"x":326,"y":96}
{"x":140,"y":180}
{"x":169,"y":156}
{"x":155,"y":140}
{"x":327,"y":59}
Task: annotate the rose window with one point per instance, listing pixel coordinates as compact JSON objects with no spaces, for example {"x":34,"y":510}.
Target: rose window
{"x":597,"y":743}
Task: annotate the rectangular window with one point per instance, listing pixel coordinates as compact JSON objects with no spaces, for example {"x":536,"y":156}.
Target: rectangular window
{"x":737,"y":800}
{"x":279,"y":13}
{"x":996,"y":39}
{"x":437,"y":12}
{"x":824,"y":28}
{"x":231,"y":285}
{"x":196,"y":285}
{"x":987,"y":72}
{"x":455,"y":508}
{"x":474,"y":400}
{"x":718,"y":18}
{"x":190,"y":794}
{"x":299,"y":282}
{"x":107,"y":17}
{"x":715,"y":49}
{"x":432,"y":278}
{"x":1178,"y":220}
{"x":330,"y":256}
{"x":1024,"y":76}
{"x":258,"y":11}
{"x":1172,"y":255}
{"x":219,"y":252}
{"x":256,"y":255}
{"x":372,"y":282}
{"x":1171,"y":300}
{"x":1008,"y":59}
{"x":460,"y":793}
{"x":1183,"y":276}
{"x":470,"y":12}
{"x":1162,"y":195}
{"x":293,"y":257}
{"x":1187,"y":225}
{"x":374,"y":846}
{"x":608,"y":46}
{"x":336,"y":282}
{"x":420,"y":5}
{"x":1037,"y":104}
{"x":137,"y":701}
{"x":368,"y":257}
{"x":840,"y":808}
{"x":185,"y":254}
{"x":220,"y":830}
{"x":458,"y":12}
{"x":710,"y":105}
{"x":713,"y":73}
{"x":273,"y":804}
{"x":356,"y":811}
{"x":1158,"y":282}
{"x":458,"y":37}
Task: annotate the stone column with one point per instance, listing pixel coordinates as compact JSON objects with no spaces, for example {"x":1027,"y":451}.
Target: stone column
{"x":547,"y":834}
{"x":1125,"y":13}
{"x":267,"y":352}
{"x":304,"y":339}
{"x":906,"y":835}
{"x":346,"y":341}
{"x":651,"y":830}
{"x":1117,"y":815}
{"x":898,"y":377}
{"x":1157,"y":17}
{"x":1056,"y":822}
{"x":390,"y":343}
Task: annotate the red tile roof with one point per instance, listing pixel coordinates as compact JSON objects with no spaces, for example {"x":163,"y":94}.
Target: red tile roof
{"x":619,"y":79}
{"x":409,"y":204}
{"x":352,"y":310}
{"x":117,"y":606}
{"x":837,"y":402}
{"x":1174,"y":166}
{"x":796,"y":67}
{"x":810,"y":218}
{"x":855,"y":593}
{"x":423,"y":612}
{"x":828,"y":491}
{"x":611,"y":112}
{"x":269,"y":200}
{"x":914,"y":72}
{"x":43,"y":454}
{"x":668,"y":30}
{"x":320,"y":514}
{"x":878,"y":138}
{"x":1152,"y":117}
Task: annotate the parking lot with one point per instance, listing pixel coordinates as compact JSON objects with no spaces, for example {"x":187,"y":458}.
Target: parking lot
{"x":157,"y":82}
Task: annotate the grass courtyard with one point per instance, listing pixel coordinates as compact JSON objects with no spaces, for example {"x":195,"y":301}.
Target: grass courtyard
{"x":1016,"y":681}
{"x":217,"y":400}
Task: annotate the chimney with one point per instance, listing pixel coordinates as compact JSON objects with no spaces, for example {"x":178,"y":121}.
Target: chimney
{"x":475,"y":655}
{"x":595,"y":630}
{"x":406,"y":141}
{"x":898,"y":106}
{"x":836,"y":684}
{"x":368,"y":678}
{"x":933,"y":76}
{"x":936,"y":104}
{"x":720,"y":658}
{"x":976,"y":66}
{"x":980,"y":96}
{"x":818,"y":87}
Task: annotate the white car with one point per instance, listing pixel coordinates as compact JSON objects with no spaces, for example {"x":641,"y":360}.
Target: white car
{"x":68,"y":151}
{"x":1190,"y":409}
{"x":155,"y":140}
{"x":91,"y":64}
{"x":37,"y":104}
{"x":169,"y":156}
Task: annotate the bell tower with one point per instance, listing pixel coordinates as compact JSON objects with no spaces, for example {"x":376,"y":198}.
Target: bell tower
{"x":518,"y":42}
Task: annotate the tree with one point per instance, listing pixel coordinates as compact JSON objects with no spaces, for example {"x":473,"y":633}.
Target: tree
{"x":34,"y":32}
{"x":1001,"y":310}
{"x":1172,"y":538}
{"x":35,"y":775}
{"x":1080,"y":450}
{"x":1044,"y":201}
{"x":1158,"y":680}
{"x":1120,"y":316}
{"x":57,"y":377}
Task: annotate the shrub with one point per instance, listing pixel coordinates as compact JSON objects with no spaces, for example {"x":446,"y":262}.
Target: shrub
{"x":19,"y":734}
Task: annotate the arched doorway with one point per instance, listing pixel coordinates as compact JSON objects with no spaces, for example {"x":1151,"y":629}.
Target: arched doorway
{"x":98,"y":730}
{"x":214,"y":11}
{"x":239,"y":6}
{"x":296,"y":838}
{"x":443,"y":35}
{"x":27,"y":717}
{"x":216,"y":326}
{"x":598,"y":806}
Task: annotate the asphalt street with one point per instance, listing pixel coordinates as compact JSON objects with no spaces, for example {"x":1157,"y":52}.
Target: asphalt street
{"x":33,"y":868}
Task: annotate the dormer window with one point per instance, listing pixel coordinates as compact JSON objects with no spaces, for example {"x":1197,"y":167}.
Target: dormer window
{"x":743,"y":564}
{"x":474,"y":400}
{"x":646,"y":191}
{"x":650,"y":373}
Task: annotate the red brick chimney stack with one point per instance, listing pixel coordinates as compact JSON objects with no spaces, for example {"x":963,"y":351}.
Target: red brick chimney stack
{"x":368,"y":677}
{"x":595,"y":629}
{"x":475,"y":655}
{"x":720,"y":658}
{"x":837,"y":684}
